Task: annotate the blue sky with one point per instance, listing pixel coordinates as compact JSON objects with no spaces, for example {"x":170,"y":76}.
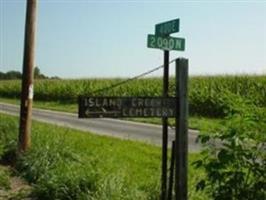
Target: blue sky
{"x":82,"y":38}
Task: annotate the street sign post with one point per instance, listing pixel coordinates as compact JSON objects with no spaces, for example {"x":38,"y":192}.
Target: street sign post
{"x":162,"y":40}
{"x":114,"y":107}
{"x":166,"y":28}
{"x":163,"y":107}
{"x":165,"y":127}
{"x":166,"y":43}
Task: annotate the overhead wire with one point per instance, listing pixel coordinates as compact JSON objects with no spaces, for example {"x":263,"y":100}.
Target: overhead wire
{"x":131,"y":79}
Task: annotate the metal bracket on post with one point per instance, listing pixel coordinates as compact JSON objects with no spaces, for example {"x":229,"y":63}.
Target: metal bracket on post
{"x":181,"y":135}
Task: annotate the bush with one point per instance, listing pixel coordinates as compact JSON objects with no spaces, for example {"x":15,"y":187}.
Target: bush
{"x":235,"y":158}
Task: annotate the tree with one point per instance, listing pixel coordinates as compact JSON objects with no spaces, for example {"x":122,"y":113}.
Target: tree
{"x":10,"y":75}
{"x":38,"y":74}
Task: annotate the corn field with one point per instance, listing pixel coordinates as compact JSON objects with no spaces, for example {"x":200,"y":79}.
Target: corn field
{"x":211,"y":96}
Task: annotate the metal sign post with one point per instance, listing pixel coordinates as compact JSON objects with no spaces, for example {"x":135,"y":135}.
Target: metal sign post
{"x":162,"y":40}
{"x":165,"y":128}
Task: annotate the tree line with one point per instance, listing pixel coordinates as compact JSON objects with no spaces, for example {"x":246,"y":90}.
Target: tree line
{"x":18,"y":75}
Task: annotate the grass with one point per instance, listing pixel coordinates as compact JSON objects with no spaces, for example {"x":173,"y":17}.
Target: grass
{"x":4,"y":178}
{"x":49,"y":105}
{"x":69,"y":164}
{"x":203,"y":124}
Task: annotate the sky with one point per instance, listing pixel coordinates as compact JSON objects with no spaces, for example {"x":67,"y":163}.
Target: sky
{"x":85,"y":39}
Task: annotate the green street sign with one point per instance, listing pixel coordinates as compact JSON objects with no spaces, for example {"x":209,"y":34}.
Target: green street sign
{"x":166,"y":28}
{"x":166,"y":43}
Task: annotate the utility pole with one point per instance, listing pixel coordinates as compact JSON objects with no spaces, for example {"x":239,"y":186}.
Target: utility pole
{"x":24,"y":141}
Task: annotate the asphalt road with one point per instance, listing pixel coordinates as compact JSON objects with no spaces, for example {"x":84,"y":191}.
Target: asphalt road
{"x":113,"y":127}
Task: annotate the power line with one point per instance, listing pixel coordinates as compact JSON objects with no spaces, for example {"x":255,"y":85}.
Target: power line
{"x":130,"y":79}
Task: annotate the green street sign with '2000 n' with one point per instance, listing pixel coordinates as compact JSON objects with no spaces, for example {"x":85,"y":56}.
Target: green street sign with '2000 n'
{"x":166,"y":28}
{"x":166,"y":43}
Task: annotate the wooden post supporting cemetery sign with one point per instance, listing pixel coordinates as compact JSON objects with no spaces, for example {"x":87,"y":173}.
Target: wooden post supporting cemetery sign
{"x":163,"y":107}
{"x":181,"y":135}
